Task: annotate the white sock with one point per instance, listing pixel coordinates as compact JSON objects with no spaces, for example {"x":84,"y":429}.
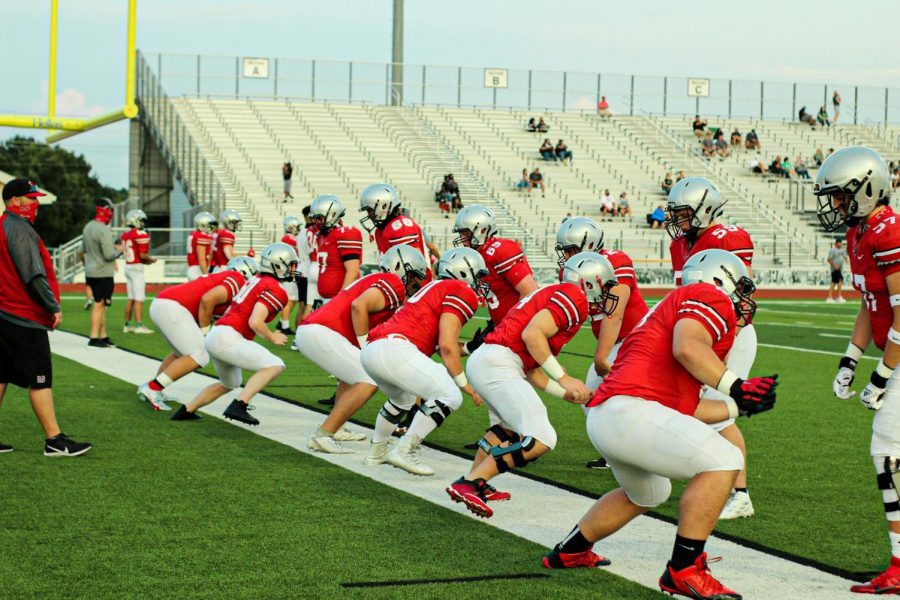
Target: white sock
{"x":895,"y":544}
{"x":164,"y":380}
{"x":422,"y":425}
{"x":285,"y":323}
{"x":383,"y":430}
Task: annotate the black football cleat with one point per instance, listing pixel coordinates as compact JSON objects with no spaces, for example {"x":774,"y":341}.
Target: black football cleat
{"x":237,"y":411}
{"x":182,"y":414}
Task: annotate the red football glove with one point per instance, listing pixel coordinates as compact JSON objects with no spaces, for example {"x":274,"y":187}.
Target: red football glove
{"x":754,"y":395}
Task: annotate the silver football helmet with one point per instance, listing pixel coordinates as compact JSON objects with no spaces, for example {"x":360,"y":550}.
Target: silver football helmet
{"x":326,"y":211}
{"x":244,"y":265}
{"x":578,"y":234}
{"x":231,"y":220}
{"x":724,"y":270}
{"x":136,"y":218}
{"x":408,"y":264}
{"x":478,"y":221}
{"x":205,"y":222}
{"x":595,"y":275}
{"x":279,"y":260}
{"x":379,"y":201}
{"x":466,"y":265}
{"x":857,"y":178}
{"x":694,"y":202}
{"x":292,"y":225}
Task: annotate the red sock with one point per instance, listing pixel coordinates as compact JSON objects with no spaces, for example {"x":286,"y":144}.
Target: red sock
{"x":155,"y":386}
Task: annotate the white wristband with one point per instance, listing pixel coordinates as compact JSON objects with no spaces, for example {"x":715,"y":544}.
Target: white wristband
{"x":884,"y":370}
{"x":460,"y":380}
{"x":554,"y":389}
{"x":361,"y":339}
{"x":893,"y":335}
{"x":854,"y":352}
{"x":895,"y":300}
{"x":732,"y":406}
{"x":553,"y":369}
{"x":724,"y":385}
{"x":205,"y":330}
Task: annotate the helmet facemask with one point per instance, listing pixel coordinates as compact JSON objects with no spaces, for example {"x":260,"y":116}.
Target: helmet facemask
{"x":832,"y":217}
{"x":744,"y":305}
{"x":564,"y":253}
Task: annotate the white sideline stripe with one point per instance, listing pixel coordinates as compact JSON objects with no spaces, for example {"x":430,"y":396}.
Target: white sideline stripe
{"x":826,"y":352}
{"x":833,"y":335}
{"x":639,"y":552}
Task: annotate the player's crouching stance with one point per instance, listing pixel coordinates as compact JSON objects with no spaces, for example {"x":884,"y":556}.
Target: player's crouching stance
{"x":183,"y":314}
{"x":853,"y":186}
{"x":523,"y":350}
{"x":231,"y":345}
{"x":331,"y":337}
{"x":641,"y":420}
{"x":398,"y":353}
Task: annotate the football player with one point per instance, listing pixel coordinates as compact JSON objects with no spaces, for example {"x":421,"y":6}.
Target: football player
{"x":853,"y":187}
{"x":137,"y":254}
{"x":291,"y":237}
{"x":694,"y":205}
{"x":338,"y":247}
{"x":641,"y":419}
{"x":200,"y":245}
{"x":313,"y":300}
{"x":223,"y":240}
{"x":230,"y":343}
{"x":386,"y":221}
{"x":332,"y":336}
{"x":183,"y":313}
{"x":520,"y":353}
{"x":398,"y":353}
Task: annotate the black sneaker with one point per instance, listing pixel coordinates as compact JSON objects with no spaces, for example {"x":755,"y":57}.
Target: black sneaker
{"x":97,"y":343}
{"x":237,"y":411}
{"x":288,"y":331}
{"x":182,"y":414}
{"x":599,"y":463}
{"x":327,"y":401}
{"x":61,"y":445}
{"x":5,"y":448}
{"x":108,"y":342}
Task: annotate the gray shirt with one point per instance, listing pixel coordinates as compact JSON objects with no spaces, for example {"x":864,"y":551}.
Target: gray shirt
{"x":23,"y":246}
{"x":99,"y":250}
{"x":836,"y":256}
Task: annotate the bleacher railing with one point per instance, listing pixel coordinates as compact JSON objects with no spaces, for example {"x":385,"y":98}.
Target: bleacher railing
{"x":534,"y":90}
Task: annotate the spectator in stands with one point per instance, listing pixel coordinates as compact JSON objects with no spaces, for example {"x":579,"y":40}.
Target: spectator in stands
{"x":757,"y":165}
{"x":531,"y":126}
{"x":657,"y":217}
{"x":667,"y":183}
{"x":775,"y":167}
{"x":751,"y":142}
{"x":287,"y":171}
{"x":836,"y":105}
{"x":830,"y":152}
{"x":722,"y":148}
{"x":787,"y":168}
{"x":546,"y":150}
{"x":450,"y":190}
{"x":895,"y":178}
{"x":607,"y":206}
{"x":562,"y":152}
{"x":822,"y":117}
{"x":805,"y":117}
{"x":523,"y":182}
{"x":699,"y":126}
{"x":442,"y":203}
{"x":708,"y":145}
{"x":624,"y":206}
{"x":603,"y":108}
{"x":542,"y":126}
{"x":835,"y":260}
{"x":681,"y":176}
{"x":736,"y":138}
{"x":818,"y":157}
{"x":800,"y":168}
{"x":535,"y":179}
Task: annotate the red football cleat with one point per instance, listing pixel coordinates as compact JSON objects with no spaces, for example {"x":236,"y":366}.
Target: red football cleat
{"x":492,"y":494}
{"x":587,"y":559}
{"x":465,"y":491}
{"x":696,"y":581}
{"x":887,"y":583}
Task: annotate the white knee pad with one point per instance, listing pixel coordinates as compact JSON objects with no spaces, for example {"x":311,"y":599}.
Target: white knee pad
{"x":655,"y":491}
{"x":886,"y":469}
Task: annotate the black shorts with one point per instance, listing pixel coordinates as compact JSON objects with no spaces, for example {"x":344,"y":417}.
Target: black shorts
{"x":837,"y":277}
{"x":101,"y":288}
{"x":25,"y":356}
{"x":302,"y":282}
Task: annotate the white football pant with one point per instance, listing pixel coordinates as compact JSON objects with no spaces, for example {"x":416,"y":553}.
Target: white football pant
{"x":332,"y":352}
{"x":404,"y":374}
{"x":134,"y":282}
{"x":177,"y":326}
{"x":231,"y":352}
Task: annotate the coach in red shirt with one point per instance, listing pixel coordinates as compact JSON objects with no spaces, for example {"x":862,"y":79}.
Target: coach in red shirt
{"x":29,"y":307}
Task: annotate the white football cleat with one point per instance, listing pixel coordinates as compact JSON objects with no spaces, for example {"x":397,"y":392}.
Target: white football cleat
{"x":829,"y":300}
{"x":154,"y":398}
{"x":405,"y":455}
{"x":141,"y":329}
{"x":841,"y":300}
{"x":345,"y":435}
{"x":127,"y":329}
{"x":326,"y":444}
{"x":378,"y":453}
{"x":738,"y":506}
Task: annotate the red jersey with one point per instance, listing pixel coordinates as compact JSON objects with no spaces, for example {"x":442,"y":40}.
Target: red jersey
{"x":636,"y":307}
{"x":565,"y":301}
{"x":399,"y":231}
{"x":721,"y":237}
{"x":189,"y":294}
{"x":259,"y":289}
{"x":646,"y":367}
{"x":419,"y":319}
{"x":874,"y":251}
{"x":291,"y":240}
{"x":198,"y":241}
{"x":136,"y":241}
{"x":220,"y":240}
{"x":332,"y":249}
{"x":507,"y":266}
{"x":19,"y":243}
{"x":336,"y":314}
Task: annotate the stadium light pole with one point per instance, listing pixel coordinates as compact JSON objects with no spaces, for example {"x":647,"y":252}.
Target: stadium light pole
{"x":397,"y":56}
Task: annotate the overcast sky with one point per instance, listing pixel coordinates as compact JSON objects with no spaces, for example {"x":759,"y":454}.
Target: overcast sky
{"x":827,"y":41}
